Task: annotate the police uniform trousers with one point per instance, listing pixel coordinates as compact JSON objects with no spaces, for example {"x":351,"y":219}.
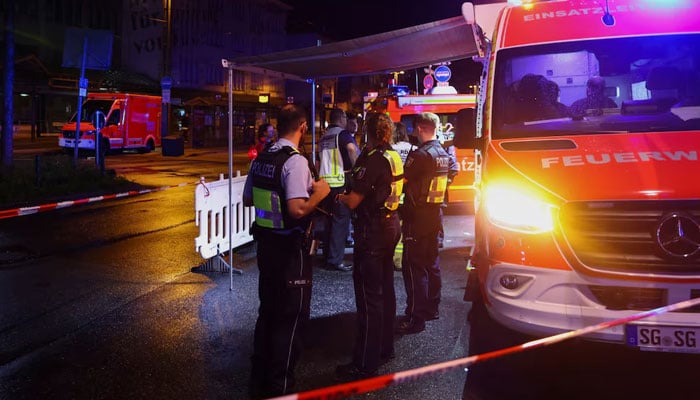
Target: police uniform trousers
{"x":375,"y":298}
{"x":421,"y":268}
{"x":284,"y":289}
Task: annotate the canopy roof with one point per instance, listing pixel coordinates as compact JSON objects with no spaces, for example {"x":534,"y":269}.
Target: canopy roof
{"x":413,"y":47}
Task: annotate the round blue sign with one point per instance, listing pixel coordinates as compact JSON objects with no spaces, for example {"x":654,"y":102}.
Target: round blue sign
{"x":443,"y":73}
{"x":166,"y":82}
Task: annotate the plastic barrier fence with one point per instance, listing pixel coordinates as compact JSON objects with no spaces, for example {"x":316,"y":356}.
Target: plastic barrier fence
{"x":211,"y":216}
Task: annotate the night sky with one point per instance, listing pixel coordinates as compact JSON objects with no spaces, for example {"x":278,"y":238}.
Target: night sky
{"x":347,"y":19}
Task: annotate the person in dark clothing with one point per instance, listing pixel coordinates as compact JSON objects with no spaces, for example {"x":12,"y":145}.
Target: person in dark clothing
{"x":534,"y":98}
{"x":426,"y":171}
{"x":281,"y":187}
{"x":266,"y":136}
{"x":452,"y":172}
{"x":375,"y":193}
{"x":595,"y":99}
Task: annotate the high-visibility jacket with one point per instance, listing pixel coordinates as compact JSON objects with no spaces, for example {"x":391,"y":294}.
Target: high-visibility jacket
{"x":331,"y":166}
{"x":434,"y":184}
{"x":392,"y":201}
{"x":269,"y":198}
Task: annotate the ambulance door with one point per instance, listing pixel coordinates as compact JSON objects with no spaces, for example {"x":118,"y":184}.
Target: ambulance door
{"x":114,"y":127}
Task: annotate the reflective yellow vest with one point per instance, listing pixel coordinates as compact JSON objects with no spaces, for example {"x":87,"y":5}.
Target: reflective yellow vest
{"x":394,"y":159}
{"x":331,"y":162}
{"x":268,"y":195}
{"x":438,"y":183}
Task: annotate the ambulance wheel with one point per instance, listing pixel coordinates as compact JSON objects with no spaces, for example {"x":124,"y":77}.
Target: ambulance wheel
{"x":150,"y":146}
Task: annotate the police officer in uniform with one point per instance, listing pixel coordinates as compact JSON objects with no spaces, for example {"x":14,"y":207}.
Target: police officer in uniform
{"x":426,"y":172}
{"x":377,"y":183}
{"x":281,"y":187}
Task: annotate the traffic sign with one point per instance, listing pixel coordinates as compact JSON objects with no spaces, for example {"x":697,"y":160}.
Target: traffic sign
{"x":166,"y":82}
{"x":428,"y":82}
{"x":443,"y":73}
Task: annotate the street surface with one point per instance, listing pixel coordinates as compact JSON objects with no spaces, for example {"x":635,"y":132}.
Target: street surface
{"x":99,"y":302}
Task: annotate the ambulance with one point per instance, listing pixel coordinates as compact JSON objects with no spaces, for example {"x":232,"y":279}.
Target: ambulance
{"x":132,"y":121}
{"x":587,"y":133}
{"x":404,"y":108}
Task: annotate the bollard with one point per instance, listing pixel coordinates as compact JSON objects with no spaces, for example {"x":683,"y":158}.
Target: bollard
{"x":37,"y":170}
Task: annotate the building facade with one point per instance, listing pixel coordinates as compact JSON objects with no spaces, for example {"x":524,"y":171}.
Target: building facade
{"x":182,"y":39}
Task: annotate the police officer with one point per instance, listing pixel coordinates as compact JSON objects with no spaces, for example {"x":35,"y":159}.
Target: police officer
{"x":426,"y":172}
{"x":281,"y":187}
{"x":377,"y":183}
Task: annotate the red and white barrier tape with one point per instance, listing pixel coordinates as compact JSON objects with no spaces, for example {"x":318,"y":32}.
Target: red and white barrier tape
{"x":18,"y":212}
{"x":379,"y":382}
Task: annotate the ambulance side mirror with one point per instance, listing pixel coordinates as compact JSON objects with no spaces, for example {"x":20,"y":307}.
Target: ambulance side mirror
{"x":465,"y":130}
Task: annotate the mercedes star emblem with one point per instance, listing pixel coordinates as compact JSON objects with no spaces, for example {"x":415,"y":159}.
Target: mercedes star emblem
{"x":678,"y":235}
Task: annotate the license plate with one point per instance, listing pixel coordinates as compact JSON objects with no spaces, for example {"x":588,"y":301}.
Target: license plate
{"x":675,"y":339}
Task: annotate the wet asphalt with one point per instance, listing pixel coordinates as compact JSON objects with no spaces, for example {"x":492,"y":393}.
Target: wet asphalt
{"x":114,"y":326}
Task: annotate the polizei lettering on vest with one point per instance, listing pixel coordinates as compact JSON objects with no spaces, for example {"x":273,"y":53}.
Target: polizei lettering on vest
{"x":262,"y":169}
{"x":626,"y":157}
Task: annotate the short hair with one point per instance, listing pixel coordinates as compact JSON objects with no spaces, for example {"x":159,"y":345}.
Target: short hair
{"x":380,"y":127}
{"x":400,"y":133}
{"x":597,"y":84}
{"x":289,"y":119}
{"x":336,"y":115}
{"x":262,"y":129}
{"x":351,"y":115}
{"x":428,"y":119}
{"x":552,"y":91}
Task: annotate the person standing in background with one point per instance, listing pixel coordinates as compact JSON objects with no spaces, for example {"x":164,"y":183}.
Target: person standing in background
{"x":266,"y":136}
{"x":452,"y":172}
{"x":337,"y":154}
{"x":401,"y":143}
{"x":402,"y":146}
{"x":352,"y":126}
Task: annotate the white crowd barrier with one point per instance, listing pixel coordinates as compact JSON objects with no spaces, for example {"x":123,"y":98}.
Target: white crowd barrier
{"x":211,"y":216}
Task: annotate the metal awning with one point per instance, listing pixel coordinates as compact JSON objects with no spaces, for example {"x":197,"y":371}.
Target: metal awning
{"x":413,"y":47}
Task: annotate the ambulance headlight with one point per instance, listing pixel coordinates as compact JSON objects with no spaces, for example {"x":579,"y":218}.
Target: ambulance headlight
{"x":514,"y":209}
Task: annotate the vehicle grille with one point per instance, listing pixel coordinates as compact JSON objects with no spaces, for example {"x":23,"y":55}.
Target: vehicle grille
{"x":621,"y":237}
{"x":629,"y":298}
{"x":694,"y":294}
{"x":70,"y":134}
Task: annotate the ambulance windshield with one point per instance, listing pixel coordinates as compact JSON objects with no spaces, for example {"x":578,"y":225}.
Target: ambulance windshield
{"x":635,"y":84}
{"x":89,"y":108}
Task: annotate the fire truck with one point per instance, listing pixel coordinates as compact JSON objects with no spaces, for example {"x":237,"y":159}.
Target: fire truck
{"x":132,"y":122}
{"x":587,"y":129}
{"x":404,"y":108}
